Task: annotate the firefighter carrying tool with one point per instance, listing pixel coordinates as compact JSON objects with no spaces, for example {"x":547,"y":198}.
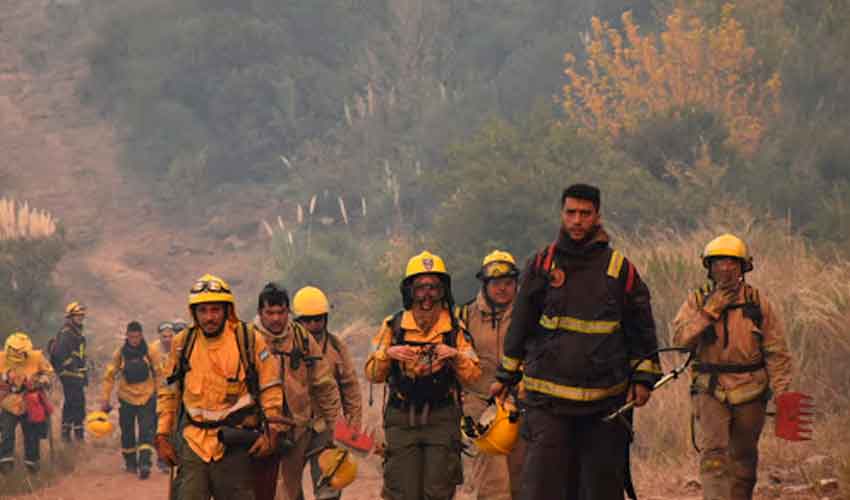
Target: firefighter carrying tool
{"x":423,"y":354}
{"x":741,"y":354}
{"x":224,"y":378}
{"x":582,"y":324}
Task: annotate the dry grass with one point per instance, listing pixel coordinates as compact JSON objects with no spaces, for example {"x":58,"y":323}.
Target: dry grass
{"x":810,"y":291}
{"x":19,"y":221}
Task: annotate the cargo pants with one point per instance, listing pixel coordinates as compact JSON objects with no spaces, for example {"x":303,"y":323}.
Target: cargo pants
{"x":573,"y":457}
{"x":492,"y":477}
{"x":74,"y":407}
{"x":422,"y":462}
{"x":728,"y":436}
{"x":137,"y":451}
{"x":291,"y":465}
{"x":230,"y":478}
{"x":33,"y":433}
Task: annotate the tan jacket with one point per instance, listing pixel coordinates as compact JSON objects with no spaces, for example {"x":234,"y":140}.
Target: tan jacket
{"x":488,"y":345}
{"x":134,"y":394}
{"x":157,"y":346}
{"x":743,"y":344}
{"x":34,"y":373}
{"x":336,"y":355}
{"x":216,"y":370}
{"x":465,"y":364}
{"x":312,"y":396}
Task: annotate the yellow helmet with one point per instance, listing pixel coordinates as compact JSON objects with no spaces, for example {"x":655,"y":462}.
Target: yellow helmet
{"x":728,"y":245}
{"x":310,"y":301}
{"x":494,"y":434}
{"x":98,"y":425}
{"x":75,"y":309}
{"x":18,"y":346}
{"x":338,"y":468}
{"x":425,"y":263}
{"x":498,"y":264}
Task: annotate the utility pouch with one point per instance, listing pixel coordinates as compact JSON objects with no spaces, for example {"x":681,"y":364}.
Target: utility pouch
{"x":233,"y":436}
{"x":233,"y":391}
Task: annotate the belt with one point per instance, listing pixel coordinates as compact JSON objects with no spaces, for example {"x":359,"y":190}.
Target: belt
{"x":716,"y":369}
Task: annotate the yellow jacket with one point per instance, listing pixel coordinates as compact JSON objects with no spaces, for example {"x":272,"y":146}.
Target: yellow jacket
{"x":465,"y":364}
{"x":134,"y":394}
{"x":156,"y":346}
{"x":18,"y":378}
{"x":208,"y":396}
{"x":744,"y":343}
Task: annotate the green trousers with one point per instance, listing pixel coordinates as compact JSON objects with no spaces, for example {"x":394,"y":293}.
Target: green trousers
{"x":422,"y":461}
{"x":230,"y":478}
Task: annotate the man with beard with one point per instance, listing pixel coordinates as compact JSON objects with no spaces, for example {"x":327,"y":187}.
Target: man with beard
{"x":423,"y":354}
{"x":312,"y":398}
{"x":584,"y":334}
{"x":139,"y":371}
{"x":741,"y":355}
{"x":225,"y":380}
{"x":311,"y":308}
{"x":487,"y":317}
{"x":70,"y":361}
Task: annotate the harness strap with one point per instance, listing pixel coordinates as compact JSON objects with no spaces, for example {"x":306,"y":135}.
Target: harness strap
{"x":716,"y":369}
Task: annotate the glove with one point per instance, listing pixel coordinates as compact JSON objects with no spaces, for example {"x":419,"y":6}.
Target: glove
{"x":264,"y":445}
{"x":165,"y":450}
{"x":718,"y":301}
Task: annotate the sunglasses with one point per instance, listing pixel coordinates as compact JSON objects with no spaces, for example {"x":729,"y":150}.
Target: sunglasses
{"x":209,"y":286}
{"x":311,"y":319}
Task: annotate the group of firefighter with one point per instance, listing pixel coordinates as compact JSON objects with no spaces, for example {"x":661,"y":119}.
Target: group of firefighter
{"x":522,"y":380}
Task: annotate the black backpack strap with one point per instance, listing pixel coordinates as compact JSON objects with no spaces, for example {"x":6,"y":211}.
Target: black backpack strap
{"x":396,"y":329}
{"x":246,"y":342}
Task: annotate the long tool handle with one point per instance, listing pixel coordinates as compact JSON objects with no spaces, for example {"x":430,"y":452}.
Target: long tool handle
{"x":631,"y":404}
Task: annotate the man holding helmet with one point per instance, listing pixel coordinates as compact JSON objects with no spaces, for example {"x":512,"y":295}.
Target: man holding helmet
{"x":487,"y":318}
{"x":423,"y":354}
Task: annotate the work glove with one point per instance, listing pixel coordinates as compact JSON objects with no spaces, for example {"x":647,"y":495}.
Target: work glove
{"x":264,"y":445}
{"x":165,"y":450}
{"x":718,"y":301}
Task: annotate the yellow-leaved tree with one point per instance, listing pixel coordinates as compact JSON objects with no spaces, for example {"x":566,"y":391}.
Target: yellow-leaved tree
{"x":630,"y":77}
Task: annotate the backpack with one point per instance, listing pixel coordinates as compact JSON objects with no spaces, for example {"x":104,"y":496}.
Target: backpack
{"x":246,"y":343}
{"x":50,"y":349}
{"x":423,"y":389}
{"x":136,"y":370}
{"x":544,"y":263}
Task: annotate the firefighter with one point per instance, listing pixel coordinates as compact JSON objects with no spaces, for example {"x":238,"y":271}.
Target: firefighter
{"x":71,"y":362}
{"x":423,"y":354}
{"x":584,"y":333}
{"x":487,"y":317}
{"x":24,"y":380}
{"x":162,"y":346}
{"x":311,"y":309}
{"x":312,"y":398}
{"x":225,"y":382}
{"x":741,"y":356}
{"x":139,"y":370}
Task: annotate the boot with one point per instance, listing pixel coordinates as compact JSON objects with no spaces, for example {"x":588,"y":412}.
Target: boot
{"x":79,"y":432}
{"x":145,"y":461}
{"x":130,"y":464}
{"x":66,"y":433}
{"x":32,"y":467}
{"x":6,"y":466}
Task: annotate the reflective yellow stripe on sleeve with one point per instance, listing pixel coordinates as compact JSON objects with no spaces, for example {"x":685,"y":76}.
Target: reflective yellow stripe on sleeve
{"x":579,"y":325}
{"x":570,"y":392}
{"x":510,"y":364}
{"x":647,"y":366}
